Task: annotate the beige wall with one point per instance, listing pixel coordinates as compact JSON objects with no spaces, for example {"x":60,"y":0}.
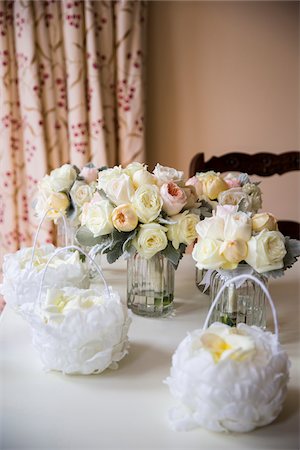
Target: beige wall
{"x":225,"y":76}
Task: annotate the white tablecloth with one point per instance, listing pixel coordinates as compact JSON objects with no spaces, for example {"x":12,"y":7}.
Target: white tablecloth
{"x":127,"y":408}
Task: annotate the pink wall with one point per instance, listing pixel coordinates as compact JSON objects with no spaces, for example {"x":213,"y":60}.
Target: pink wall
{"x":225,"y":76}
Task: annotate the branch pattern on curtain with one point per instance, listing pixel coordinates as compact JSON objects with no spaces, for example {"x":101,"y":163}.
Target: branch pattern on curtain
{"x":71,"y":90}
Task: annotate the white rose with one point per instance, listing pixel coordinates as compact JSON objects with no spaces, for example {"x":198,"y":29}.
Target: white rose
{"x":264,"y":220}
{"x":147,"y":203}
{"x":61,"y":179}
{"x":120,"y":190}
{"x":81,"y":193}
{"x":165,"y":174}
{"x":237,"y":226}
{"x":233,"y":196}
{"x":184,"y":230}
{"x":211,"y":227}
{"x":207,"y":254}
{"x":254,"y":194}
{"x":56,"y":202}
{"x":133,"y":167}
{"x":266,"y":251}
{"x":234,"y":252}
{"x":151,"y":239}
{"x":97,"y":217}
{"x":141,"y":177}
{"x":107,"y":175}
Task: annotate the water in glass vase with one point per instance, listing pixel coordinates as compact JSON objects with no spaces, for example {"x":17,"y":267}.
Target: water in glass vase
{"x":245,"y":303}
{"x":150,"y":285}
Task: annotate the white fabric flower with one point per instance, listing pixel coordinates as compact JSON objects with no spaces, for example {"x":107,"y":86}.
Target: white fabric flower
{"x":228,"y":379}
{"x":81,"y":331}
{"x":21,"y":282}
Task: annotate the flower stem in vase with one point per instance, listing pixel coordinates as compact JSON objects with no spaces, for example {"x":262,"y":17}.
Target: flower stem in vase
{"x":229,"y":315}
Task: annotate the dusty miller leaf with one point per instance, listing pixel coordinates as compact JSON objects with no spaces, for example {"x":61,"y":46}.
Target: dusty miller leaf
{"x":86,"y":238}
{"x":173,"y":255}
{"x":292,"y":252}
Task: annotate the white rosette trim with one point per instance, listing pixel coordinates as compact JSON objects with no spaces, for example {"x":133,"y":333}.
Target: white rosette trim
{"x":230,"y":395}
{"x":87,"y":336}
{"x":21,"y":279}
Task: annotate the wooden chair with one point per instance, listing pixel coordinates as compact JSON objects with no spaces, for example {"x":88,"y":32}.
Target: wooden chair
{"x":261,"y":164}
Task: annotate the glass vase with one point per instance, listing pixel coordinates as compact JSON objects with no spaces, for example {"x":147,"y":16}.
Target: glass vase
{"x":65,"y":232}
{"x":150,"y":285}
{"x":241,"y":303}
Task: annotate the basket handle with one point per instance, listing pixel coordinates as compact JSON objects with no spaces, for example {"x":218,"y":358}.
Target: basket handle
{"x":60,"y":250}
{"x":243,"y":278}
{"x":38,"y":231}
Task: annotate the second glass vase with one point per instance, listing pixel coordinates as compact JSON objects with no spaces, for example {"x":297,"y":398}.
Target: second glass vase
{"x":150,"y":285}
{"x":244,"y":303}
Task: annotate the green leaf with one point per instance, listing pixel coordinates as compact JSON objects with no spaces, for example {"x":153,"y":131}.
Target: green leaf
{"x":292,"y":252}
{"x":86,"y":238}
{"x":242,"y":205}
{"x":244,"y":178}
{"x":115,"y":253}
{"x":127,"y":244}
{"x":173,"y":255}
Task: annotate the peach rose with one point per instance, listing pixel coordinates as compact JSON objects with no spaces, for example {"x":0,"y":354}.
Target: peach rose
{"x":124,"y":218}
{"x":174,"y":198}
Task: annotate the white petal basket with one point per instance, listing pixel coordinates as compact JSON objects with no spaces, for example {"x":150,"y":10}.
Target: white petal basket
{"x":86,"y":338}
{"x":23,"y":271}
{"x":236,"y":391}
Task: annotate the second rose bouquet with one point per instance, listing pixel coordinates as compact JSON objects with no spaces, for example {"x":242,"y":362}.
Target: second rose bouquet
{"x":134,"y":210}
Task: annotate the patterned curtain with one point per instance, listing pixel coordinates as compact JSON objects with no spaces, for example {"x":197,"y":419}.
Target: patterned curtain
{"x":71,"y":90}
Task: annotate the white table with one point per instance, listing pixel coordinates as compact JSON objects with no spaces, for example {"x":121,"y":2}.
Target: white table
{"x":127,"y":408}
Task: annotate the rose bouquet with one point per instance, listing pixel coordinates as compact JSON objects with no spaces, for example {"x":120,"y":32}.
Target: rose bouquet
{"x":64,"y":191}
{"x":232,"y":242}
{"x":232,"y":236}
{"x":134,"y":210}
{"x":232,"y":189}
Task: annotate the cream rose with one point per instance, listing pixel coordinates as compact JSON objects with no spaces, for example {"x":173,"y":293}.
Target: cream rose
{"x":96,"y":216}
{"x":174,"y":198}
{"x":150,"y":239}
{"x":237,"y":226}
{"x":147,"y":203}
{"x":81,"y":193}
{"x":107,"y":175}
{"x":165,"y":174}
{"x":89,"y":174}
{"x":120,"y":190}
{"x":141,"y":177}
{"x":124,"y":218}
{"x":184,"y":230}
{"x":263,"y":221}
{"x":234,"y":252}
{"x":211,"y":227}
{"x":254,"y":194}
{"x":133,"y":167}
{"x":196,"y":184}
{"x":58,"y":202}
{"x":266,"y":251}
{"x":61,"y":179}
{"x":207,"y":254}
{"x":233,"y":196}
{"x":212,"y":184}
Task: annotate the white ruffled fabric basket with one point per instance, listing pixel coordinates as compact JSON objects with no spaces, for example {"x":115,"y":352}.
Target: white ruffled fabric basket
{"x":79,"y":331}
{"x":23,"y":272}
{"x":24,"y":269}
{"x":228,"y":379}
